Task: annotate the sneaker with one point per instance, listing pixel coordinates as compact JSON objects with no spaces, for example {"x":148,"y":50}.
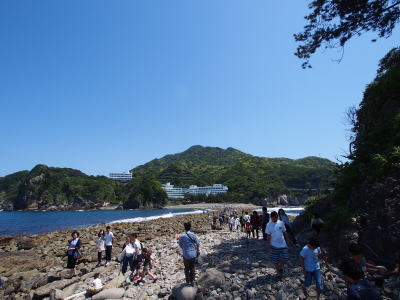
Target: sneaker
{"x":98,"y":265}
{"x":107,"y":263}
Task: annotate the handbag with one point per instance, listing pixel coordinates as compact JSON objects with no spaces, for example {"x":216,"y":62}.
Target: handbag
{"x":195,"y":244}
{"x":77,"y":254}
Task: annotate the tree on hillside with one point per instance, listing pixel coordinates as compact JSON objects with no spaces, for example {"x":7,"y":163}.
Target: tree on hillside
{"x":333,"y":22}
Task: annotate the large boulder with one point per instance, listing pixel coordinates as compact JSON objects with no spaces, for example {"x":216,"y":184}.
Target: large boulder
{"x":60,"y":284}
{"x":113,"y":293}
{"x":212,"y":277}
{"x":183,"y":292}
{"x":115,"y":282}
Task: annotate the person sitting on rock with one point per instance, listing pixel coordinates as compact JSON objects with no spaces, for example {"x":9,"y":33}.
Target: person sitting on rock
{"x":148,"y":263}
{"x":310,"y":263}
{"x":96,"y":285}
{"x":357,"y":287}
{"x":190,"y":245}
{"x":357,"y":254}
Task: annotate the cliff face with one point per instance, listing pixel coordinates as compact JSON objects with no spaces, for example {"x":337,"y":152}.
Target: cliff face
{"x":365,"y":205}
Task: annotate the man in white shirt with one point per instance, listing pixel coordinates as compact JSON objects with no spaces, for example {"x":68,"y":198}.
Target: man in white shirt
{"x":109,"y":243}
{"x":246,"y":217}
{"x":276,"y":233}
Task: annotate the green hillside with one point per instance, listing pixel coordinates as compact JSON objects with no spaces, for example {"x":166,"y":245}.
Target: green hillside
{"x":62,"y":188}
{"x":248,"y":177}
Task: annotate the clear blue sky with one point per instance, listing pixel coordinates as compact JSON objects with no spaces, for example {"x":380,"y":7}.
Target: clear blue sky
{"x":107,"y":85}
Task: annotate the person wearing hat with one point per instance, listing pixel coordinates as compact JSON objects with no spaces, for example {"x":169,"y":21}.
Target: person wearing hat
{"x":190,"y":245}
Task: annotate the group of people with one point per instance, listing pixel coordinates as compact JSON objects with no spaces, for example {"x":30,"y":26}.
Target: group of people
{"x":278,"y":235}
{"x":252,"y":224}
{"x":133,"y":254}
{"x":358,"y":274}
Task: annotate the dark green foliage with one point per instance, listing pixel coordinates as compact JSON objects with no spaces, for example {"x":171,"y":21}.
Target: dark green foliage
{"x":145,"y":193}
{"x":332,"y":23}
{"x":375,"y":147}
{"x":248,"y":177}
{"x":47,"y":186}
{"x":9,"y":185}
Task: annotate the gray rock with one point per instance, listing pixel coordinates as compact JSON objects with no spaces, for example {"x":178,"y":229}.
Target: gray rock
{"x":112,"y":293}
{"x":56,"y":294}
{"x":184,"y":292}
{"x":212,"y":277}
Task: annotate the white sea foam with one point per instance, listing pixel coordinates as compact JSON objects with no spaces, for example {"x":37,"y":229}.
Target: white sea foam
{"x":168,"y":215}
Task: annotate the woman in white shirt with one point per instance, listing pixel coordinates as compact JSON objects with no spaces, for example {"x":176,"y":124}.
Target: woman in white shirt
{"x":130,"y":250}
{"x":101,"y":238}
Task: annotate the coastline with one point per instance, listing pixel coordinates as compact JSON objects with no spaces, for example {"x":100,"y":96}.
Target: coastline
{"x":217,"y":206}
{"x":33,"y":267}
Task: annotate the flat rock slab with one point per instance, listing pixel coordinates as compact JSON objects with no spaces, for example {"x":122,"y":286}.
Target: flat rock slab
{"x":113,"y":293}
{"x":46,"y":289}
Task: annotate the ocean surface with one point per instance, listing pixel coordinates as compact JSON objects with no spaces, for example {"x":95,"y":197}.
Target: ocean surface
{"x":22,"y":222}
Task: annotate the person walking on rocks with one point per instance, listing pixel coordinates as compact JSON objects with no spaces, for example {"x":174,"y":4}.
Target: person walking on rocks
{"x":246,"y":217}
{"x":190,"y":245}
{"x":285,"y":219}
{"x":101,"y":238}
{"x":316,"y":223}
{"x":237,"y":223}
{"x":231,"y":222}
{"x":242,"y":224}
{"x":310,"y":263}
{"x":73,"y":252}
{"x":109,"y":244}
{"x":264,"y":221}
{"x":248,"y":229}
{"x":130,"y":250}
{"x":276,"y":233}
{"x":138,"y":257}
{"x":255,"y":224}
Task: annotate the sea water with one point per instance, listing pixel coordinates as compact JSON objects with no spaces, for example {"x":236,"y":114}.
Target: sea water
{"x":32,"y":222}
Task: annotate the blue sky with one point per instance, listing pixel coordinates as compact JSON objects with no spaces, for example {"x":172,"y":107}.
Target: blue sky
{"x":104,"y":86}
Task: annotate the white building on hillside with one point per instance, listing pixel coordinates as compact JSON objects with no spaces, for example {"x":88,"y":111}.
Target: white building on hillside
{"x":178,"y":192}
{"x":121,"y":177}
{"x":207,"y":190}
{"x":173,"y":192}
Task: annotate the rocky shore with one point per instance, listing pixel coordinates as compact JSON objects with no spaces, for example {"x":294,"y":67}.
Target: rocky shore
{"x":230,"y":266}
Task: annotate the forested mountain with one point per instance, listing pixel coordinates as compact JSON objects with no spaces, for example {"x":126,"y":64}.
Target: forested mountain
{"x":62,"y":188}
{"x":248,"y":177}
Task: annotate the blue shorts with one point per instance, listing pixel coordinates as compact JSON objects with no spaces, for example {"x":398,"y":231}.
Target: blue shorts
{"x":316,"y":275}
{"x":279,"y":255}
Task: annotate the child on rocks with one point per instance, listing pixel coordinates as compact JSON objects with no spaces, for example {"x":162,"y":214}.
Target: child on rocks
{"x":96,"y":285}
{"x":147,"y":262}
{"x":311,"y":266}
{"x":248,"y":229}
